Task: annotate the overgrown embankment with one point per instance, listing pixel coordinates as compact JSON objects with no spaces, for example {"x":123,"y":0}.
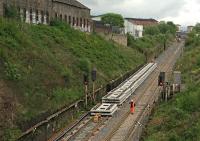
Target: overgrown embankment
{"x":42,"y":67}
{"x":156,"y":38}
{"x":179,"y":119}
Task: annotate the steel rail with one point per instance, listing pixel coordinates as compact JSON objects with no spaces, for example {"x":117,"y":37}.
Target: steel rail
{"x":81,"y":119}
{"x":152,"y":98}
{"x":125,"y":116}
{"x":137,"y":100}
{"x":71,"y":128}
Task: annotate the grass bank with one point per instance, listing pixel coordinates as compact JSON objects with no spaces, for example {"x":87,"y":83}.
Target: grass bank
{"x":179,"y":119}
{"x":42,"y":67}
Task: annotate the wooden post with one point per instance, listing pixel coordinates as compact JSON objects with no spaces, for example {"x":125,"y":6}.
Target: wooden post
{"x":94,"y":77}
{"x":86,"y":95}
{"x":93,"y":91}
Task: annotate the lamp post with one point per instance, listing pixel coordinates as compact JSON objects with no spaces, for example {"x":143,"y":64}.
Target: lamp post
{"x":86,"y":81}
{"x":94,"y":77}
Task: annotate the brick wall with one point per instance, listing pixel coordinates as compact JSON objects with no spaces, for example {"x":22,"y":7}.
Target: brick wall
{"x":120,"y":39}
{"x":117,"y":38}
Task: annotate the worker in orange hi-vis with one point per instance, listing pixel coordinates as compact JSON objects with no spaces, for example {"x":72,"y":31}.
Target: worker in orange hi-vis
{"x":132,"y":107}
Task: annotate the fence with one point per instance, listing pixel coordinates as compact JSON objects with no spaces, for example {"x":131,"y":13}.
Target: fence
{"x":50,"y":124}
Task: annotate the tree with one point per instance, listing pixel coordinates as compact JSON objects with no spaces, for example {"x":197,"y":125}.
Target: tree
{"x":113,"y":19}
{"x":151,"y":30}
{"x":172,"y":27}
{"x":197,"y":28}
{"x":166,"y":28}
{"x":11,"y":12}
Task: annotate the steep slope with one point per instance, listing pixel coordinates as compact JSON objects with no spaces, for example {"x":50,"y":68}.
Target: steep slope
{"x":179,"y":119}
{"x":42,"y":66}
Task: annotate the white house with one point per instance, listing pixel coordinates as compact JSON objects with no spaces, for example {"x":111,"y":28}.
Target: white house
{"x":190,"y":28}
{"x":133,"y":29}
{"x":178,"y":26}
{"x":97,"y":18}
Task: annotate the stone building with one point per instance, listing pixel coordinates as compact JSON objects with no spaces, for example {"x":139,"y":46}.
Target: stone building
{"x":189,"y":28}
{"x":43,"y":11}
{"x":132,"y":28}
{"x":143,"y":22}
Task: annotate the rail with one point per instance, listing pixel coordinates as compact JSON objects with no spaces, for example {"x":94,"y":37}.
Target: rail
{"x":68,"y":130}
{"x":113,"y":84}
{"x":141,"y":114}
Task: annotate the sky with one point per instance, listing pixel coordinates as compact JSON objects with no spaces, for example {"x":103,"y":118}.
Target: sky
{"x":183,"y":12}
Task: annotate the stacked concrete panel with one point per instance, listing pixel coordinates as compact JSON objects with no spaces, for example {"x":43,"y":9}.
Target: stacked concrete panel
{"x":105,"y":109}
{"x":126,"y":89}
{"x":120,"y":94}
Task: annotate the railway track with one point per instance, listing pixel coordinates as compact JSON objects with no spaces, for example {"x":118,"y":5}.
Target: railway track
{"x":77,"y":132}
{"x":124,"y":131}
{"x":128,"y":87}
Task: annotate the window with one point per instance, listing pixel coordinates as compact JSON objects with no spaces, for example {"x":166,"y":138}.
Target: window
{"x":47,"y":17}
{"x":81,"y":22}
{"x":37,"y":12}
{"x":88,"y":22}
{"x":24,"y":14}
{"x":61,"y":17}
{"x":56,"y":16}
{"x":77,"y":22}
{"x":73,"y":21}
{"x":18,"y":10}
{"x":65,"y":18}
{"x":42,"y":16}
{"x":31,"y":15}
{"x":84,"y":23}
{"x":70,"y":20}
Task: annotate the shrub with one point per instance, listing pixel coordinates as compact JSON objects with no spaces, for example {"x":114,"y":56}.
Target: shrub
{"x":84,"y":65}
{"x":12,"y":71}
{"x":67,"y":75}
{"x":11,"y":12}
{"x":56,"y":22}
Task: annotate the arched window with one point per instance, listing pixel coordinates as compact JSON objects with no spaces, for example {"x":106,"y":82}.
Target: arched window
{"x":81,"y":22}
{"x":73,"y":21}
{"x":47,"y":16}
{"x":77,"y":22}
{"x":84,"y":23}
{"x":88,"y":22}
{"x":24,"y":14}
{"x":37,"y":12}
{"x":61,"y":17}
{"x":42,"y":16}
{"x":70,"y":20}
{"x":65,"y":18}
{"x":56,"y":16}
{"x":31,"y":15}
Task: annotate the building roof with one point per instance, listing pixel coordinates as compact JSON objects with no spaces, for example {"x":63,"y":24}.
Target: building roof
{"x":74,"y":3}
{"x":144,"y":22}
{"x":94,"y":16}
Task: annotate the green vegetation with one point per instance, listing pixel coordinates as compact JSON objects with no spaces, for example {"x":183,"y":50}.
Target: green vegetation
{"x":44,"y":66}
{"x":11,"y":12}
{"x":179,"y":119}
{"x":113,"y":19}
{"x":194,"y":37}
{"x":155,"y":39}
